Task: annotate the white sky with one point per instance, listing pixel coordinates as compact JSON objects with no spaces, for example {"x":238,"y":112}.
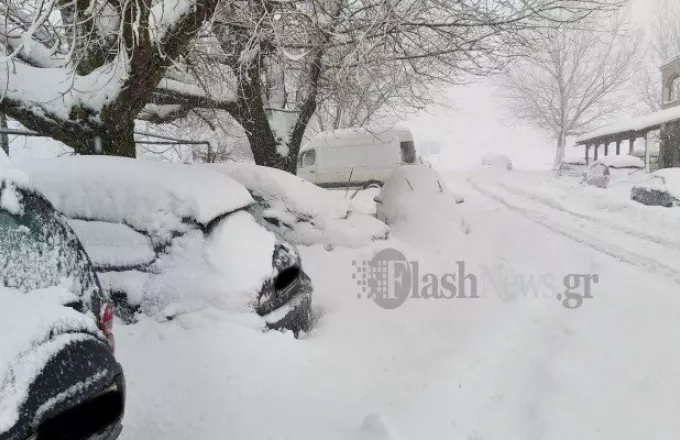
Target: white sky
{"x":480,"y":123}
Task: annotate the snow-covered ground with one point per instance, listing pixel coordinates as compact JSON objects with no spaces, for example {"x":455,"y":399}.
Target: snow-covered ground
{"x":514,"y":364}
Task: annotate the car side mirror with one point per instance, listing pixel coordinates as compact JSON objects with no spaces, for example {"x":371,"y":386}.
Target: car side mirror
{"x":377,"y":199}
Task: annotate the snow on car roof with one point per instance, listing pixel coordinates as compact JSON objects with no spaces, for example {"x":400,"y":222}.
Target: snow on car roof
{"x":39,"y":325}
{"x":297,"y":194}
{"x":149,"y":196}
{"x":415,"y":178}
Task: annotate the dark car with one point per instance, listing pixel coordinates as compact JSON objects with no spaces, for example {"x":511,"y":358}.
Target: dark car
{"x":658,"y":189}
{"x":171,"y":239}
{"x":59,"y":378}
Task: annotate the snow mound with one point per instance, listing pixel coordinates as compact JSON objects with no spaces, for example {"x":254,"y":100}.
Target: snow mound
{"x":622,"y":161}
{"x":151,"y":197}
{"x":297,"y":194}
{"x":225,"y":270}
{"x":40,"y":325}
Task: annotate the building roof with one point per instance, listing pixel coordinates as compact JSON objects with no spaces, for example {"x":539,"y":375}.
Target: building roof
{"x":632,"y":126}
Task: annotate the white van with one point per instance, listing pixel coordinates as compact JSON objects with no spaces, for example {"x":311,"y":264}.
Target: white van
{"x":358,"y":156}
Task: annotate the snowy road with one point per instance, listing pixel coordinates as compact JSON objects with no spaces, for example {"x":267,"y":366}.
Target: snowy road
{"x":513,"y":365}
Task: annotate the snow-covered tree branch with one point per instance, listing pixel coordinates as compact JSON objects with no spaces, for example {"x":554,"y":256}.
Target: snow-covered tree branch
{"x":82,"y":71}
{"x":288,"y":60}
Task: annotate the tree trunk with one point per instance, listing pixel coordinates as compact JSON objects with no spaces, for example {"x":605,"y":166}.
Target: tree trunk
{"x":561,"y":145}
{"x":251,"y":115}
{"x":265,"y":148}
{"x":117,"y":141}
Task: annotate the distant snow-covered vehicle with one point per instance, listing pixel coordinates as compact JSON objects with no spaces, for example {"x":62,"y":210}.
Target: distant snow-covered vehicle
{"x":497,"y":161}
{"x":417,"y":194}
{"x":300,"y":211}
{"x":167,"y":239}
{"x":660,"y":188}
{"x":572,"y":166}
{"x":59,"y":378}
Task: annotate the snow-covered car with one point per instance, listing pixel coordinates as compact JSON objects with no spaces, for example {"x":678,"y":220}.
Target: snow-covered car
{"x":623,"y":167}
{"x":597,"y":174}
{"x":572,"y":166}
{"x":496,"y":161}
{"x":300,"y":211}
{"x":415,"y":191}
{"x":59,"y":378}
{"x":660,"y":188}
{"x":168,"y":239}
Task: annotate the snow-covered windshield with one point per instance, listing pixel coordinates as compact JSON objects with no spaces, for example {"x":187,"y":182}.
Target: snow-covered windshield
{"x":37,"y":249}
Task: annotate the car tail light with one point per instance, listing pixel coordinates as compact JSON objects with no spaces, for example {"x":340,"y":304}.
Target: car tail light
{"x":106,"y":324}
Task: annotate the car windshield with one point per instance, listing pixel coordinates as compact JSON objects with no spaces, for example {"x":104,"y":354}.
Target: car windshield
{"x":37,"y":249}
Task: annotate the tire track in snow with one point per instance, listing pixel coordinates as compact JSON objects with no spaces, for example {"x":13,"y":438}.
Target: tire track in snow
{"x":599,"y":220}
{"x":588,"y":232}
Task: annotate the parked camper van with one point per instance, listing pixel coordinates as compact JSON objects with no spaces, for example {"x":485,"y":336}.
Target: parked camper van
{"x":359,"y":156}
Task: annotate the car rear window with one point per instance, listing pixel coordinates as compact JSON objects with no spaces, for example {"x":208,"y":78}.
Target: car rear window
{"x":37,"y":248}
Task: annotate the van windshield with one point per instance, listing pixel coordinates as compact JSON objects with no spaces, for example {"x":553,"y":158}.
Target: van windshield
{"x":307,"y":158}
{"x":408,"y":152}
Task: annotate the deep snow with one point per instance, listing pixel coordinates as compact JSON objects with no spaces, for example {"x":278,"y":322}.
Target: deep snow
{"x":513,"y":365}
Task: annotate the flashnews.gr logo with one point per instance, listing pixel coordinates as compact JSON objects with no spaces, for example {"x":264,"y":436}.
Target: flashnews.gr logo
{"x":389,"y":279}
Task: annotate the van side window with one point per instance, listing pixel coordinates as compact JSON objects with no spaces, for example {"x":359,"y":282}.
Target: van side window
{"x":307,"y":158}
{"x":408,"y":152}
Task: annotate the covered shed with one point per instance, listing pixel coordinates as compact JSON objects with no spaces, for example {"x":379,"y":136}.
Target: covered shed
{"x":666,"y":121}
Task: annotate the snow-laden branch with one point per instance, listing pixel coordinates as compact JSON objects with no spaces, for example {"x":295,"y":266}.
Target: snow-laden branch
{"x":56,"y":93}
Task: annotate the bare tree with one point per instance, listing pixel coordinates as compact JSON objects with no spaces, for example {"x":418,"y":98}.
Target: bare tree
{"x":662,"y":42}
{"x":287,"y":60}
{"x":81,"y":71}
{"x":576,"y":78}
